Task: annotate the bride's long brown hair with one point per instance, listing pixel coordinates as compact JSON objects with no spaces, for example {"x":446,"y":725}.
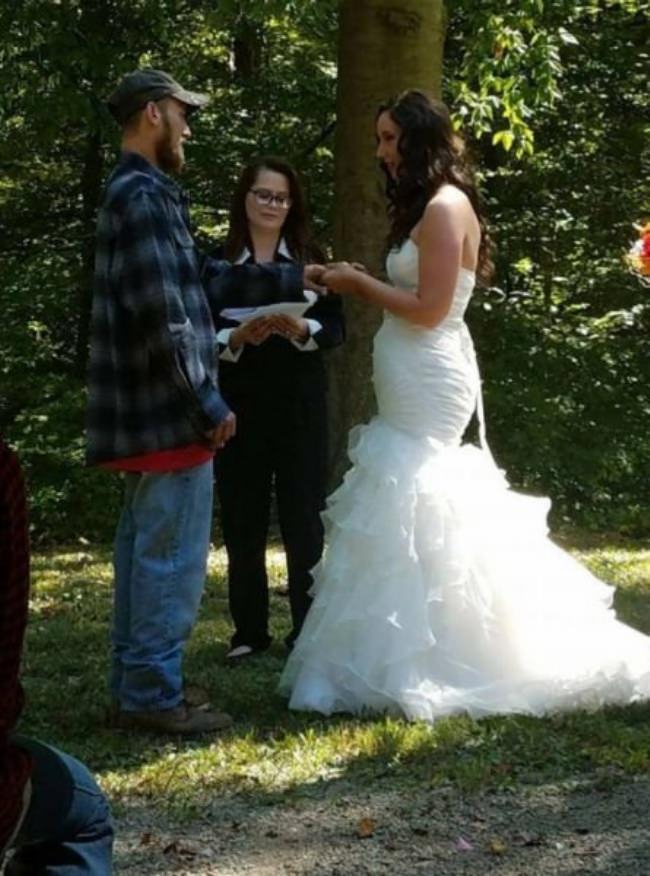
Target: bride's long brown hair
{"x":432,"y":154}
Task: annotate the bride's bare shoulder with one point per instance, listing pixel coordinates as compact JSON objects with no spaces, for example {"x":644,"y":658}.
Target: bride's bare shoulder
{"x":447,"y":207}
{"x":450,"y":196}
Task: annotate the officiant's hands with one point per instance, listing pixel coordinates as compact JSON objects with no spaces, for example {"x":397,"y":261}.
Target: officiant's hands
{"x":254,"y":332}
{"x":294,"y":328}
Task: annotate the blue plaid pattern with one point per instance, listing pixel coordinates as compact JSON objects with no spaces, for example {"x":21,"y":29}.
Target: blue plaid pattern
{"x":152,"y":380}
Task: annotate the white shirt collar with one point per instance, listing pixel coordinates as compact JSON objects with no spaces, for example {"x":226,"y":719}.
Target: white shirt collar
{"x":283,"y":250}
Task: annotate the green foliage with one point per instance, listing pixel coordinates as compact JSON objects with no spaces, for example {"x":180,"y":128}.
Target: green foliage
{"x":568,"y":412}
{"x":563,"y":336}
{"x":510,"y":66}
{"x":66,"y":500}
{"x":554,"y":97}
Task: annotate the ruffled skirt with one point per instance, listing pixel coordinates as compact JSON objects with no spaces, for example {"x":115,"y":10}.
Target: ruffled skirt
{"x":439,"y":592}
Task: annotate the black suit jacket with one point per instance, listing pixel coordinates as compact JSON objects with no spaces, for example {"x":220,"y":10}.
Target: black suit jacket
{"x":278,"y":364}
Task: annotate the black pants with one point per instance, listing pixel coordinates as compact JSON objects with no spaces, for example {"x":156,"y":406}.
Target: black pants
{"x":281,"y":439}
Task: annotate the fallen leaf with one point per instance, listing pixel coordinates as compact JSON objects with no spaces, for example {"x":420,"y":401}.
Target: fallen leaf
{"x":171,"y":849}
{"x":497,"y":846}
{"x":366,"y":828}
{"x":176,"y":848}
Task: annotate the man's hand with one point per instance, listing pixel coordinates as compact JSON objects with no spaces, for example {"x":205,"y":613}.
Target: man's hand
{"x":312,"y":279}
{"x":255,"y":332}
{"x":343,"y":277}
{"x":221,"y":434}
{"x":291,"y":327}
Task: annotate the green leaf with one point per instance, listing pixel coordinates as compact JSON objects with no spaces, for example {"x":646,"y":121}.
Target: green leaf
{"x":567,"y":38}
{"x":505,"y":137}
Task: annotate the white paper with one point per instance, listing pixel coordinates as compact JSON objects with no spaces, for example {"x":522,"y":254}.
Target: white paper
{"x":288,"y":308}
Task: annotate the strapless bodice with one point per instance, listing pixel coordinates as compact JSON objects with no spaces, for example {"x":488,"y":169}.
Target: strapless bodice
{"x":426,"y":380}
{"x":402,"y":270}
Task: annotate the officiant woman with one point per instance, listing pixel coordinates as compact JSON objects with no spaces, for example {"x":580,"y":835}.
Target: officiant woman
{"x":272,"y":375}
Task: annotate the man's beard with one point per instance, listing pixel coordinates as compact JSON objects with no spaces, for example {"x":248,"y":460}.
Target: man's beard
{"x":168,"y":159}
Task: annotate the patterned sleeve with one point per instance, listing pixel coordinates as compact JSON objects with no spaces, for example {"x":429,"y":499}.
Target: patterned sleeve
{"x":250,"y":284}
{"x":148,"y":266}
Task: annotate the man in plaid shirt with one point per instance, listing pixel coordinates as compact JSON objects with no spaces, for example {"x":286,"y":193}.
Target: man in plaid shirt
{"x":154,"y":407}
{"x":53,"y":816}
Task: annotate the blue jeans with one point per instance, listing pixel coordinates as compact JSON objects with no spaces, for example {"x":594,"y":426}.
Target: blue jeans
{"x":67,"y":830}
{"x":161,"y":551}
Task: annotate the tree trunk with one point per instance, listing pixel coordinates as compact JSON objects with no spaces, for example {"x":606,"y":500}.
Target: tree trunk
{"x":247,"y":49}
{"x":385,"y":46}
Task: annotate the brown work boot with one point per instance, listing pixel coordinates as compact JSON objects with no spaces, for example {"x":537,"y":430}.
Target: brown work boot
{"x":194,"y":696}
{"x":184,"y":720}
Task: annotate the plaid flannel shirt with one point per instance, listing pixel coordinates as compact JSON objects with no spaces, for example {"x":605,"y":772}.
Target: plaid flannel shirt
{"x":15,"y":763}
{"x":152,"y":381}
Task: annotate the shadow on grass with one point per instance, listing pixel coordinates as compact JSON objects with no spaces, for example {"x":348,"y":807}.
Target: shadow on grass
{"x":274,"y":756}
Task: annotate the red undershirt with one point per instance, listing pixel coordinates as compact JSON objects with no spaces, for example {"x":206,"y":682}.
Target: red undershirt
{"x":163,"y":460}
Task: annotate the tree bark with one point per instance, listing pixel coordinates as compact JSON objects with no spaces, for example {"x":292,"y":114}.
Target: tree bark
{"x":247,"y":49}
{"x":385,"y":47}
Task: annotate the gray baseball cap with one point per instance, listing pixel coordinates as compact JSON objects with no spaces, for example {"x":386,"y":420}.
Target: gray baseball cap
{"x":141,"y":86}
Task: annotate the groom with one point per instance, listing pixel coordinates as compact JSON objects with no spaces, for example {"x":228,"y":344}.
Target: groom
{"x":155,"y":412}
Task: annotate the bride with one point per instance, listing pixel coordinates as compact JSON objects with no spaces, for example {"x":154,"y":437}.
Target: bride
{"x":439,"y":591}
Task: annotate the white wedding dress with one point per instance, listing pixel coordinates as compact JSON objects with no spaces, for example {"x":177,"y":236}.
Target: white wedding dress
{"x":439,"y":591}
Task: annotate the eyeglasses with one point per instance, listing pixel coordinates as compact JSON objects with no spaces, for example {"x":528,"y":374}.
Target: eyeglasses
{"x":265,"y":197}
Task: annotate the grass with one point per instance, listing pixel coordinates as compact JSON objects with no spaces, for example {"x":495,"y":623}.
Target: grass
{"x":273,"y":754}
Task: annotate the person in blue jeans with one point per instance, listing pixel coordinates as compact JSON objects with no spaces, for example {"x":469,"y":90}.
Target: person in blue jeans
{"x":155,"y":412}
{"x":54,"y":819}
{"x":66,"y":829}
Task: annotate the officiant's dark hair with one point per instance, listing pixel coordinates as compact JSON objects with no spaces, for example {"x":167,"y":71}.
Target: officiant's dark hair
{"x":296,"y":229}
{"x":432,"y":154}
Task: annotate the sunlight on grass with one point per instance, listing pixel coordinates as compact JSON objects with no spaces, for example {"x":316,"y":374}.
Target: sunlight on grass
{"x":273,"y":752}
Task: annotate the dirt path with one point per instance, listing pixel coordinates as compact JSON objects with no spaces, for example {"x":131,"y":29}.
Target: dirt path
{"x":577,"y":828}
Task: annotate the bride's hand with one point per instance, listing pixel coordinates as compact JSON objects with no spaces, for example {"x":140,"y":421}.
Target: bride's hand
{"x":342,"y":277}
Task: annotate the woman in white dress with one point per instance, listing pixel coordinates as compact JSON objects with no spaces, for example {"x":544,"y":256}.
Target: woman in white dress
{"x":439,"y":591}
